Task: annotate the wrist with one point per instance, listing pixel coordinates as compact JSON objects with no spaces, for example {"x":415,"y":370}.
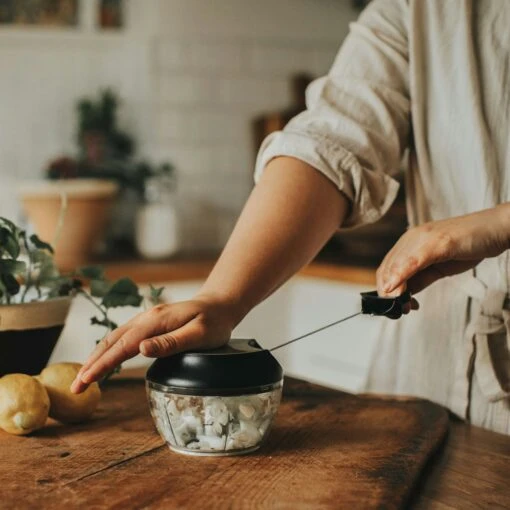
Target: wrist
{"x":234,"y":307}
{"x":503,"y":219}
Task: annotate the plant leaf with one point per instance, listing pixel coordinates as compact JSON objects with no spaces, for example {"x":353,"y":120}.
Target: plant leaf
{"x":62,"y":286}
{"x":11,"y":285}
{"x":40,"y":256}
{"x":156,"y":292}
{"x":53,"y":293}
{"x":123,"y":292}
{"x":41,"y":245}
{"x":99,"y":288}
{"x":107,"y":323}
{"x":9,"y":224}
{"x":46,"y":266}
{"x":91,"y":272}
{"x":12,"y":267}
{"x":9,"y":242}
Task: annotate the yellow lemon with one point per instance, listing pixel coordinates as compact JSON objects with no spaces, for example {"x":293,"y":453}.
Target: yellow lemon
{"x":24,"y":404}
{"x":65,"y":406}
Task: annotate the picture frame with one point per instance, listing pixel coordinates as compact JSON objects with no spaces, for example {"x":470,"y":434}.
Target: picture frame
{"x":39,"y":13}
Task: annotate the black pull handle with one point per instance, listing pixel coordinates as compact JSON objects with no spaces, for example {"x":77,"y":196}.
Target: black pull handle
{"x":391,"y":307}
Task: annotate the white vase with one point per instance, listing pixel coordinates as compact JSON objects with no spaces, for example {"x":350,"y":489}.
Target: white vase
{"x":157,"y":231}
{"x":157,"y":223}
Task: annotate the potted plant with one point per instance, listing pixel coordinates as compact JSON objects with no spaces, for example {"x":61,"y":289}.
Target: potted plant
{"x":73,"y":213}
{"x":75,"y":206}
{"x":99,"y":137}
{"x":94,"y":193}
{"x":35,"y":298}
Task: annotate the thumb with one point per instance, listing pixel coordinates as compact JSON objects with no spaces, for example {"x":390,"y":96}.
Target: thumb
{"x":397,"y":291}
{"x":190,"y":336}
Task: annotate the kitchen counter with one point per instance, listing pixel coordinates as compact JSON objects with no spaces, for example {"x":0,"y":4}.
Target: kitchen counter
{"x":328,"y":450}
{"x":469,"y":471}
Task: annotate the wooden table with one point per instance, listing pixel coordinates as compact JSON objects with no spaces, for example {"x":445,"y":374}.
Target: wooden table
{"x":471,"y":471}
{"x":117,"y":461}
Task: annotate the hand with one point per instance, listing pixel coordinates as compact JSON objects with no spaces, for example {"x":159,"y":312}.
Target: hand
{"x":437,"y":249}
{"x":202,"y":323}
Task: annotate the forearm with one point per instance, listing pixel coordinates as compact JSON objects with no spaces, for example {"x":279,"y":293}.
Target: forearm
{"x":503,"y":212}
{"x":289,"y":216}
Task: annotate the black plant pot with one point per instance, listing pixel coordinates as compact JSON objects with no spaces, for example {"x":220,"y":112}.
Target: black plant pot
{"x":29,"y":333}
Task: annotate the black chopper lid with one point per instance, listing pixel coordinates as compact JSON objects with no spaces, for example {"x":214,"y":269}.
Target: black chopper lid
{"x":239,"y":367}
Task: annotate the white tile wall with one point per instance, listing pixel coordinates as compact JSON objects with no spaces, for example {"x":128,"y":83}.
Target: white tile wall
{"x":192,"y":73}
{"x":279,"y":60}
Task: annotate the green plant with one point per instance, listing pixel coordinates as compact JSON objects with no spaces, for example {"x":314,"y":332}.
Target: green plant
{"x":104,"y":150}
{"x":98,"y":116}
{"x":143,"y":171}
{"x":28,"y":272}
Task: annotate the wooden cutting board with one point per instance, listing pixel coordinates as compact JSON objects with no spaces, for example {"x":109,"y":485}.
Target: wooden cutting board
{"x":327,"y":450}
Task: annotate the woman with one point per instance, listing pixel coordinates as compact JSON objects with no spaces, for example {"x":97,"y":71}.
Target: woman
{"x":427,"y":75}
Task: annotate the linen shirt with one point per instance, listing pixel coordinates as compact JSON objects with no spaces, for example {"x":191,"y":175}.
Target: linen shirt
{"x":431,"y":76}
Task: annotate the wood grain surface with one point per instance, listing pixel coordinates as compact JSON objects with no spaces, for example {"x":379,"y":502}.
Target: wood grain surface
{"x":327,"y":450}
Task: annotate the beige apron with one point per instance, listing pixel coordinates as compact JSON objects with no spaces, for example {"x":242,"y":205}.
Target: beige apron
{"x":432,"y":76}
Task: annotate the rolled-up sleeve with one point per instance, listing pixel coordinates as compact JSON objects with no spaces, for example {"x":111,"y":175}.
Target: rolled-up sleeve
{"x":357,"y":122}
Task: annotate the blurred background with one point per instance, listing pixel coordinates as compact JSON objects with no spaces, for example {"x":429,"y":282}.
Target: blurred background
{"x":194,"y":85}
{"x":129,"y":130}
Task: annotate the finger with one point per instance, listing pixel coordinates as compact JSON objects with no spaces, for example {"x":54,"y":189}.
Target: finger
{"x":402,"y":246}
{"x":124,"y":348}
{"x":401,"y":270}
{"x":380,"y":275}
{"x":412,"y":256}
{"x":384,"y":271}
{"x":123,"y":344}
{"x":103,"y":346}
{"x":412,"y":253}
{"x":398,"y":291}
{"x":189,"y":336}
{"x":78,"y":386}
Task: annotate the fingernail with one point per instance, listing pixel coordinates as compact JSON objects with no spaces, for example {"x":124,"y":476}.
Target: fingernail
{"x":75,"y":386}
{"x":148,"y":349}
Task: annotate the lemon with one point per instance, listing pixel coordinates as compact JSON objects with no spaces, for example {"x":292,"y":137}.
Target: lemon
{"x":24,"y":404}
{"x":65,"y":406}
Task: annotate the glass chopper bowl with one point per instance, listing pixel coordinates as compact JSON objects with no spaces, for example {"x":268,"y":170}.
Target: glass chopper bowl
{"x":217,"y":402}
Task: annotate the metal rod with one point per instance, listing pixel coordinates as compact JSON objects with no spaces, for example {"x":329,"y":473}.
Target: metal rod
{"x":315,"y":331}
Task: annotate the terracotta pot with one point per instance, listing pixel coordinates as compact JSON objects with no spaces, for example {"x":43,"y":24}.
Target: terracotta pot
{"x":29,"y":333}
{"x":89,"y":203}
